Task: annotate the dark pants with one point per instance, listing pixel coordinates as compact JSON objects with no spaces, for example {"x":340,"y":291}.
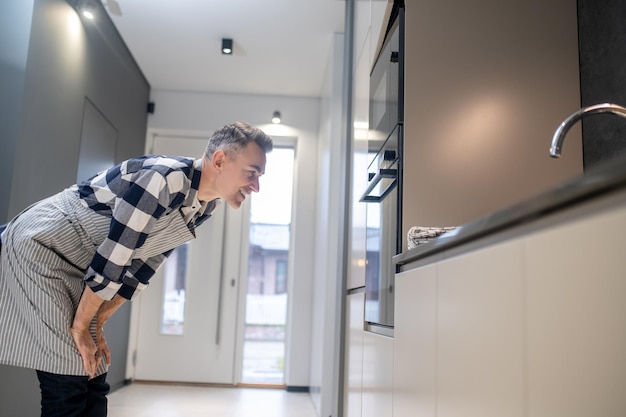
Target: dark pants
{"x":73,"y":396}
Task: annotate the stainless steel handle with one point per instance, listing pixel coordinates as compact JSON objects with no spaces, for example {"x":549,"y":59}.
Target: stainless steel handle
{"x":382,"y":173}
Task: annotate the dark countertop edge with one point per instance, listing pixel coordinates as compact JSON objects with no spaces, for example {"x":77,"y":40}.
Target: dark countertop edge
{"x":600,"y":180}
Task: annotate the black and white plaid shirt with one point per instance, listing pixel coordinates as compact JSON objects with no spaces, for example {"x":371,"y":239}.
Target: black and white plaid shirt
{"x":135,"y":194}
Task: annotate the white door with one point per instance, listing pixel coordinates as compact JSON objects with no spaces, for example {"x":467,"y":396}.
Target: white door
{"x":206,"y":350}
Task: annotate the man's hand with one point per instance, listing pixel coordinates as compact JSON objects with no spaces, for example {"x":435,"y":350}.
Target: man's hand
{"x":90,"y":306}
{"x":87,"y":308}
{"x":87,"y":349}
{"x":103,"y":351}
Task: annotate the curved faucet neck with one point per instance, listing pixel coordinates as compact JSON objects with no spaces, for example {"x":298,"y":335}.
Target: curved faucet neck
{"x":561,"y":131}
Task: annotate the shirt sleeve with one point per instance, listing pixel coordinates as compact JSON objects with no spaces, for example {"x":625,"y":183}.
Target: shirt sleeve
{"x":133,"y":217}
{"x":138,"y":275}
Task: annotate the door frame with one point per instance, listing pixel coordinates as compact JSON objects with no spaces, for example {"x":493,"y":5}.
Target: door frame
{"x":238,"y":266}
{"x":278,"y":141}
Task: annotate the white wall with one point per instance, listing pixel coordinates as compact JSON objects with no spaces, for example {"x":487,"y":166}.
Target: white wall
{"x":202,"y":113}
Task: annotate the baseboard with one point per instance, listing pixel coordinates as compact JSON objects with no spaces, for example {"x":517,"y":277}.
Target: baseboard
{"x":292,"y":388}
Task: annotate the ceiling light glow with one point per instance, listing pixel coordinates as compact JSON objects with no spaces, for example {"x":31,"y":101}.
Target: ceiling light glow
{"x":88,"y":9}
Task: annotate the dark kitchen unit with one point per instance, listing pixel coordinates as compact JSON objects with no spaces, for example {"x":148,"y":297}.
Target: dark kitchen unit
{"x":383,"y":194}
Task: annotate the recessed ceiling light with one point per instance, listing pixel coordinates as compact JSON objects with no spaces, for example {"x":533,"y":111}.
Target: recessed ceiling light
{"x":88,"y":10}
{"x":227,"y":46}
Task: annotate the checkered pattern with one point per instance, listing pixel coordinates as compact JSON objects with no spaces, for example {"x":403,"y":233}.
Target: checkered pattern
{"x":135,"y":194}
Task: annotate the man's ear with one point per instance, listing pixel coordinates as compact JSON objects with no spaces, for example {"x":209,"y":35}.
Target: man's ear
{"x":219,"y":157}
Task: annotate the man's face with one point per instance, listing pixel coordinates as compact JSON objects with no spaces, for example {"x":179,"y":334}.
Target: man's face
{"x":240,"y":175}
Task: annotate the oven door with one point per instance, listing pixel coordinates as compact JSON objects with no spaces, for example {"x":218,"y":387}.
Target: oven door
{"x":382,"y":199}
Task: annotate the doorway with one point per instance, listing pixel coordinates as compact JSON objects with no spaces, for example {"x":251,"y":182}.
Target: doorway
{"x":186,"y":329}
{"x":198,"y":321}
{"x":267,"y":265}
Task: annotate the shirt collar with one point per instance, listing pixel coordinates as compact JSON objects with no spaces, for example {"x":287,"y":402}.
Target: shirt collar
{"x":194,"y":175}
{"x":192,"y":196}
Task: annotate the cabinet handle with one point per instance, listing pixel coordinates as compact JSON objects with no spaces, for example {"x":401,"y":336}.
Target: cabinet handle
{"x":382,"y":173}
{"x":218,"y":328}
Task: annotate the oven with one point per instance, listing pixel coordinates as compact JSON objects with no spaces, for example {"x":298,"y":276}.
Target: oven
{"x":382,"y":225}
{"x":383,"y":195}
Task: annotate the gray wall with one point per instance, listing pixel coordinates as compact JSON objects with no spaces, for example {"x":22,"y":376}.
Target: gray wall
{"x":51,"y":64}
{"x":69,"y":62}
{"x":15,"y":24}
{"x":602,"y":41}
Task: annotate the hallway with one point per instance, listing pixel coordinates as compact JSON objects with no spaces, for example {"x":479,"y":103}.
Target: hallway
{"x":173,"y":400}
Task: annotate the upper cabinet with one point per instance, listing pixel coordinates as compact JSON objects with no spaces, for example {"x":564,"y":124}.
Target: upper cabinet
{"x":487,"y":83}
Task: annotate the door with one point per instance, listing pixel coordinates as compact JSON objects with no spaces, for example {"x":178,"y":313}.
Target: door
{"x":186,"y":329}
{"x":98,"y":141}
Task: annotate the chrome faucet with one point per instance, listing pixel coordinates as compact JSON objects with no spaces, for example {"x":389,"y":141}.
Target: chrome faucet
{"x":561,"y":131}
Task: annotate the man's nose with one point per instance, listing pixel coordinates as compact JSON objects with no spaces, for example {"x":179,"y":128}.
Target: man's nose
{"x":255,"y":185}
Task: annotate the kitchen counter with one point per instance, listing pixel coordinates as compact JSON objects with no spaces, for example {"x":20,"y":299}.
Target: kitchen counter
{"x":601,"y":180}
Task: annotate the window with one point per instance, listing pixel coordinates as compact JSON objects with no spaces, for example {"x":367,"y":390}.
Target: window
{"x":281,"y":276}
{"x":174,"y":287}
{"x":266,"y":299}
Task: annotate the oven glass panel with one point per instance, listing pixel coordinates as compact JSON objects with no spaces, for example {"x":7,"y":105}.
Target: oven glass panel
{"x":382,"y":232}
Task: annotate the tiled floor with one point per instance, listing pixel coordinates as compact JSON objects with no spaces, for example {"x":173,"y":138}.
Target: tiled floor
{"x":160,"y":400}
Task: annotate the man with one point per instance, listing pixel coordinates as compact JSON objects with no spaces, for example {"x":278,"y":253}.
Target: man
{"x":68,"y":262}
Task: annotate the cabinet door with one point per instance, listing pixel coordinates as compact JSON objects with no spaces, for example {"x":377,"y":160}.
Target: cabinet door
{"x":480,"y":331}
{"x":576,"y":295}
{"x":414,"y":349}
{"x":377,"y":375}
{"x":354,"y":355}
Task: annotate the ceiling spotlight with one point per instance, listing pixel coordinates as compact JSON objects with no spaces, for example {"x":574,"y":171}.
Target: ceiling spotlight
{"x":227,"y":46}
{"x":88,"y":9}
{"x":276,"y":117}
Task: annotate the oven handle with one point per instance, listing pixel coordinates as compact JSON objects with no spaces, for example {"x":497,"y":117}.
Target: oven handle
{"x":382,"y":173}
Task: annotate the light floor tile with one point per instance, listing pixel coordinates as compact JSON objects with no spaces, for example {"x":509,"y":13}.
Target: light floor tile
{"x":164,"y":400}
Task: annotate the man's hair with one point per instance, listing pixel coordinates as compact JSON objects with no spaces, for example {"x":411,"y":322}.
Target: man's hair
{"x":234,"y":137}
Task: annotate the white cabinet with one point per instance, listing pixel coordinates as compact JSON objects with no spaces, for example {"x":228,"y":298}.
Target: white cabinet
{"x":415,"y":333}
{"x":576,"y":296}
{"x":480,"y":345}
{"x":354,"y":355}
{"x":459,"y":347}
{"x":533,"y":325}
{"x":377,"y":375}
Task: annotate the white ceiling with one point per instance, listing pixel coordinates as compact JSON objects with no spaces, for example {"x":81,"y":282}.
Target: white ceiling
{"x":281,"y":47}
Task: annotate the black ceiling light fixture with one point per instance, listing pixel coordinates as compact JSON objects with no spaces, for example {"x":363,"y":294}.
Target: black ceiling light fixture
{"x":227,"y":46}
{"x":276,"y":117}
